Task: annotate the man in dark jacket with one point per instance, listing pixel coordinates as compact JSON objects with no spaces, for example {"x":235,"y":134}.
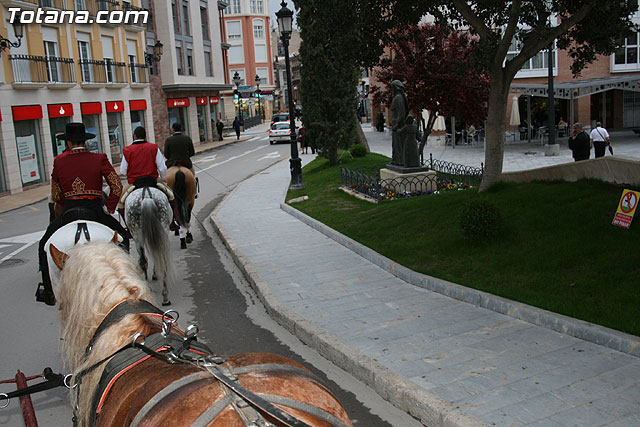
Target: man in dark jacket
{"x":236,"y":127}
{"x":178,"y":149}
{"x":579,"y":143}
{"x":220,"y":128}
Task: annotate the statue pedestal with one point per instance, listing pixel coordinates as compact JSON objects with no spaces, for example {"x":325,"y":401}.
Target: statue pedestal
{"x":402,"y":180}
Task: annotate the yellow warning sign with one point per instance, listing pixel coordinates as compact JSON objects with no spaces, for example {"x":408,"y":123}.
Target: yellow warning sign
{"x":626,"y":208}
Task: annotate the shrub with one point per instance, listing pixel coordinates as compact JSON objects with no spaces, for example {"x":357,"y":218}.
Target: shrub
{"x":480,"y":221}
{"x":358,"y":150}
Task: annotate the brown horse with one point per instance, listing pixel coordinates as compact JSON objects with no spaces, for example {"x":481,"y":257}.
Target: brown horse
{"x":167,"y":378}
{"x":183,"y":183}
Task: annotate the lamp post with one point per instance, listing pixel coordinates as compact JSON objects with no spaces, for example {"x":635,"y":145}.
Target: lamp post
{"x":236,"y":80}
{"x":18,"y":30}
{"x":152,"y":58}
{"x":285,"y":21}
{"x":258,"y":92}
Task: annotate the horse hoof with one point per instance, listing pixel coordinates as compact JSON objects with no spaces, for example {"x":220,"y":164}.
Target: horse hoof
{"x":183,"y":243}
{"x":189,"y":238}
{"x":167,"y":302}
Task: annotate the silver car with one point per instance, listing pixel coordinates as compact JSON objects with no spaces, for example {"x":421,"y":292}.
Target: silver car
{"x":280,"y":132}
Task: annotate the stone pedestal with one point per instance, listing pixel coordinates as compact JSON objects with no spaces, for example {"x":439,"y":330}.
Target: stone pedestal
{"x":409,"y":181}
{"x":552,"y":150}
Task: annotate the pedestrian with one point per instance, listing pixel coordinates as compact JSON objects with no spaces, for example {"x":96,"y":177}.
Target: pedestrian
{"x":76,"y":182}
{"x":303,"y":142}
{"x":142,"y":161}
{"x":380,"y":124}
{"x":220,"y":128}
{"x":599,"y":139}
{"x":579,"y":143}
{"x":236,"y":127}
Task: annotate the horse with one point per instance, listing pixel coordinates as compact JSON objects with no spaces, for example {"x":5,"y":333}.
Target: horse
{"x":148,"y":214}
{"x":183,"y":183}
{"x":136,"y":367}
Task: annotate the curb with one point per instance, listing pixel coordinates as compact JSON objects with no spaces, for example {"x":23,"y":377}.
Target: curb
{"x":586,"y":331}
{"x":426,"y":407}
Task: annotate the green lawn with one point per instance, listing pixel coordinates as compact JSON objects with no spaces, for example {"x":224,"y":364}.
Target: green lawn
{"x":557,"y":251}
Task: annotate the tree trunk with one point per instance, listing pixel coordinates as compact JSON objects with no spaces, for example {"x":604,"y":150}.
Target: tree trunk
{"x":496,"y":121}
{"x":360,"y":138}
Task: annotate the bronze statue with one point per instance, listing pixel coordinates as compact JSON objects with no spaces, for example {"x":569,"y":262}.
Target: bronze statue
{"x":399,"y":112}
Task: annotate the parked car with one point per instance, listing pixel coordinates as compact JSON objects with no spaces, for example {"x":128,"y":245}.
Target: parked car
{"x":280,"y":131}
{"x":279,"y":117}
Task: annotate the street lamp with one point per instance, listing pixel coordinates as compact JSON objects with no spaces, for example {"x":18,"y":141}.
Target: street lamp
{"x":236,"y":80}
{"x":258,"y":92}
{"x":285,"y":21}
{"x":152,"y":58}
{"x":18,"y":30}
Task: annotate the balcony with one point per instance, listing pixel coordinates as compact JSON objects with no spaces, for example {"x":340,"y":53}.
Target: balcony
{"x":38,"y":71}
{"x":102,"y":73}
{"x":139,"y":75}
{"x":133,"y":16}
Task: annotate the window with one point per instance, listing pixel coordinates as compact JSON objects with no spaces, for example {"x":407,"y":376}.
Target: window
{"x":207,"y":64}
{"x":258,"y":29}
{"x":179,"y":60}
{"x":85,"y":67}
{"x":174,"y":14}
{"x":242,"y":76}
{"x":107,"y":54}
{"x":263,"y":72}
{"x":236,"y":55}
{"x":204,"y":22}
{"x":260,"y":52}
{"x":92,"y":125}
{"x":132,"y":68}
{"x":234,"y":30}
{"x":626,"y":57}
{"x":236,"y":6}
{"x":51,"y":53}
{"x":256,"y":6}
{"x":190,"y":62}
{"x":186,"y":29}
{"x":80,"y":5}
{"x":537,"y":66}
{"x":29,"y":147}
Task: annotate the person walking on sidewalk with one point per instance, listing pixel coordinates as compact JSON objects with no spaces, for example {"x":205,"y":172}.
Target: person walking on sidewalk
{"x":579,"y":143}
{"x":76,"y":182}
{"x":599,"y":139}
{"x":220,"y":128}
{"x":236,"y":127}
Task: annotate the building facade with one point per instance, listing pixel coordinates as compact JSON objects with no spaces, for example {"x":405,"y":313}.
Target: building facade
{"x":246,"y":26}
{"x":90,"y":73}
{"x":281,"y":93}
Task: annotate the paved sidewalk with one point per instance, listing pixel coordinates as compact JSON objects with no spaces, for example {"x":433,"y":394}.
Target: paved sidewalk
{"x":447,"y":362}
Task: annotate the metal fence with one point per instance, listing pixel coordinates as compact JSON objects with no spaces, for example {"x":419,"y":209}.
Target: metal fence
{"x":41,"y":69}
{"x":443,"y":176}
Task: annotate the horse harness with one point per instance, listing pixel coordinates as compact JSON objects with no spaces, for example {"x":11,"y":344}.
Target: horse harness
{"x":184,"y":348}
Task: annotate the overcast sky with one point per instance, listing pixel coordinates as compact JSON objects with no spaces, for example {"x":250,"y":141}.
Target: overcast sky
{"x":274,"y":6}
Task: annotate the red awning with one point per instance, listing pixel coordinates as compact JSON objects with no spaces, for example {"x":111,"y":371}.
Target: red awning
{"x":27,"y":112}
{"x":87,"y":108}
{"x":178,"y":102}
{"x":214,"y":100}
{"x":114,"y":106}
{"x":201,"y":100}
{"x":137,"y":104}
{"x":60,"y":110}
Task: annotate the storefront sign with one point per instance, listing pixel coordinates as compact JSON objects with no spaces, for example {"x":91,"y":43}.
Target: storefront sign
{"x":626,"y":208}
{"x":267,"y":92}
{"x":137,"y":104}
{"x":201,"y":100}
{"x":114,"y":106}
{"x":27,"y":112}
{"x":214,"y":100}
{"x":88,"y":108}
{"x":178,"y":102}
{"x":60,"y":110}
{"x":28,"y":160}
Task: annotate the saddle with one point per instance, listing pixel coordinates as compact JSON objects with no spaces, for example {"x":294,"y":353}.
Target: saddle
{"x":147,"y":181}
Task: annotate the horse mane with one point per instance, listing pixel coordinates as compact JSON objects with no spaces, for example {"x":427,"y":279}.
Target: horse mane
{"x":95,"y":278}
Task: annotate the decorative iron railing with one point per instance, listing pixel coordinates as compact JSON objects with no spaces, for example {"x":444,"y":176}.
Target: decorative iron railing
{"x":443,"y":176}
{"x":106,"y":71}
{"x":138,"y":73}
{"x":42,"y":69}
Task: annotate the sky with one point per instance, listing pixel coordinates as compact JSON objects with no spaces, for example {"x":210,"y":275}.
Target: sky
{"x":274,"y":6}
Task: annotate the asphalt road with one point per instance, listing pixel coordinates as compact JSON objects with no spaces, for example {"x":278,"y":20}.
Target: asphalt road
{"x":210,"y":291}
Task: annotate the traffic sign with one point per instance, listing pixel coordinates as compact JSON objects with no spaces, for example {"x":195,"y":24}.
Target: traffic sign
{"x":626,"y":208}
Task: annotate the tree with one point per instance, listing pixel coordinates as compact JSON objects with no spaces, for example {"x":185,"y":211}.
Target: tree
{"x":329,"y":73}
{"x":437,"y":71}
{"x":585,"y":28}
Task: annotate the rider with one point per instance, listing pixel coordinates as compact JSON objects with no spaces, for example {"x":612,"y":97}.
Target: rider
{"x":76,"y":182}
{"x":142,"y":161}
{"x":178,"y":149}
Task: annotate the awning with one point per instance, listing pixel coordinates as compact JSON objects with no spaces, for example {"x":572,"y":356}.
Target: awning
{"x":579,"y":88}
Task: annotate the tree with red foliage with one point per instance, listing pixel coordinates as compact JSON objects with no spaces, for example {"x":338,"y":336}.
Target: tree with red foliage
{"x":436,"y":69}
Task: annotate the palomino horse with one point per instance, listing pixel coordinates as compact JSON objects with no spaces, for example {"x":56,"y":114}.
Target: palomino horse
{"x":183,"y":183}
{"x":131,"y":365}
{"x":148,"y":214}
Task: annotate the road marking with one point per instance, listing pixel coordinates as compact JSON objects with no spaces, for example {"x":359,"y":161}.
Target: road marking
{"x":273,"y":155}
{"x":206,"y":159}
{"x":231,"y":158}
{"x":26,"y":239}
{"x":255,"y":138}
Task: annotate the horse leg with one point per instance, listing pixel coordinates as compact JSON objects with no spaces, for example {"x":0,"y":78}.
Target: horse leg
{"x":183,"y":238}
{"x":143,"y":262}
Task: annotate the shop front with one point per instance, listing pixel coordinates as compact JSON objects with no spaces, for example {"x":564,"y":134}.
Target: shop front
{"x":137,"y":109}
{"x":59,"y":116}
{"x":201,"y":105}
{"x":91,"y":113}
{"x":178,"y":112}
{"x":26,"y":123}
{"x":114,"y":126}
{"x":214,"y":114}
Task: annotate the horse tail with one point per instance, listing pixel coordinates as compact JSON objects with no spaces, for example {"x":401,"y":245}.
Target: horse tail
{"x":155,"y":238}
{"x":180,"y":193}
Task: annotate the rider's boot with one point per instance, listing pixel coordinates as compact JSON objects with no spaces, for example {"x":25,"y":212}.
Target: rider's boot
{"x":44,"y":293}
{"x":121,"y":213}
{"x":52,"y":212}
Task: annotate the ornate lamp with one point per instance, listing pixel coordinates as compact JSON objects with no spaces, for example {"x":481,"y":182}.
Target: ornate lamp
{"x":18,"y":30}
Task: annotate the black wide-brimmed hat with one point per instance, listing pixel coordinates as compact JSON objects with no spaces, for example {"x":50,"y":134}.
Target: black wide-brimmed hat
{"x":75,"y":132}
